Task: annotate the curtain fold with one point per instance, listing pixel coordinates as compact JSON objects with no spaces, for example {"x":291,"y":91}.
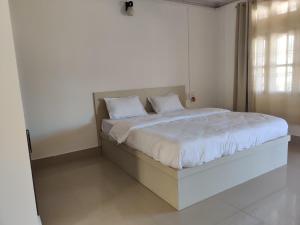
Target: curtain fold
{"x":242,"y":85}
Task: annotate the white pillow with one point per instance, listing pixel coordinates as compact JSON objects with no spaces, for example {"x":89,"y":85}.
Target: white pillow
{"x":167,"y":103}
{"x":125,"y":107}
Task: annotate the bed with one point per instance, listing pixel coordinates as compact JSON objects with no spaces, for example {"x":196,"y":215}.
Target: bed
{"x":182,"y":184}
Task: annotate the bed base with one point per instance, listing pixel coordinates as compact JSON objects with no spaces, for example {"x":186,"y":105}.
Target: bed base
{"x":183,"y":188}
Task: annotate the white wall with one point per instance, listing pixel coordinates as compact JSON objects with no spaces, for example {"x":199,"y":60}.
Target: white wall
{"x":226,"y":51}
{"x":17,"y":204}
{"x":68,"y":49}
{"x":203,"y":50}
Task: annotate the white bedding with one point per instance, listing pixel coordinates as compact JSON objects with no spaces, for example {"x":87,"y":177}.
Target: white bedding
{"x":107,"y":124}
{"x":192,"y":137}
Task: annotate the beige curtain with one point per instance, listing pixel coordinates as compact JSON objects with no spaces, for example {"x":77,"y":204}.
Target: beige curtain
{"x":275,"y":64}
{"x":242,"y":85}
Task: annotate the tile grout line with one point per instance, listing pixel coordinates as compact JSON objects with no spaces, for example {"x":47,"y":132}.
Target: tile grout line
{"x":227,"y":217}
{"x":263,"y":198}
{"x":244,"y":208}
{"x":253,"y":216}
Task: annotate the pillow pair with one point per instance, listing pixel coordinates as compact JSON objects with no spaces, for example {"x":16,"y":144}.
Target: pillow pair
{"x":126,"y":107}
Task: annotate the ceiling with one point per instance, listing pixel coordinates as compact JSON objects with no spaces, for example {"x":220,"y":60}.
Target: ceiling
{"x":209,"y":3}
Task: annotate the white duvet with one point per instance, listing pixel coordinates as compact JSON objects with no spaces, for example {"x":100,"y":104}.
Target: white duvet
{"x":190,"y":138}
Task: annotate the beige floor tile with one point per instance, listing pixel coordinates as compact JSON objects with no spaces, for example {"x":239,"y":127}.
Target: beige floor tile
{"x":241,"y":218}
{"x":248,"y":193}
{"x":92,"y":191}
{"x":208,"y":212}
{"x":281,"y":208}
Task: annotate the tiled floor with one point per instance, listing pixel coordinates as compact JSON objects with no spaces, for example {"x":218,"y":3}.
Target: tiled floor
{"x":93,"y":191}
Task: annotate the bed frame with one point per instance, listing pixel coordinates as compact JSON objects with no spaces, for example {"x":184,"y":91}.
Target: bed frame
{"x":183,"y":188}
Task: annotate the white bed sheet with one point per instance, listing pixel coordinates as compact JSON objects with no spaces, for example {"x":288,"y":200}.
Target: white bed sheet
{"x":192,"y":137}
{"x":107,"y":124}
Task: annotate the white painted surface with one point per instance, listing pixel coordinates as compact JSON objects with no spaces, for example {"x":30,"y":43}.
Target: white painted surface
{"x":203,"y":54}
{"x":226,"y":51}
{"x":17,"y":204}
{"x":68,"y":49}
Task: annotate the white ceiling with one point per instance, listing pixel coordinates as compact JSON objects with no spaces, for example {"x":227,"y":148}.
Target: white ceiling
{"x":209,"y":3}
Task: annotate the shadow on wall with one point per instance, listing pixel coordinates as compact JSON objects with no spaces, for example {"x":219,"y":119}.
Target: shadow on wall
{"x":122,"y":8}
{"x":65,"y":141}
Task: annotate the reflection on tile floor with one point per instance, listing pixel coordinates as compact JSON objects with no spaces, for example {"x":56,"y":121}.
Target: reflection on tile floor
{"x":93,"y":191}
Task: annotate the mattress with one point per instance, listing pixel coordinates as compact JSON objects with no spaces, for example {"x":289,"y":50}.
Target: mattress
{"x":190,"y":138}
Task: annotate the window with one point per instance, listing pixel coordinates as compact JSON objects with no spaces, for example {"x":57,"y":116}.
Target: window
{"x":281,"y":67}
{"x":282,"y":7}
{"x":293,"y":5}
{"x":264,"y":10}
{"x":259,"y":64}
{"x":275,"y":58}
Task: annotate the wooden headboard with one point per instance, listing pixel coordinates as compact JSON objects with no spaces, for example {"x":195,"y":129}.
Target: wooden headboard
{"x":100,"y":107}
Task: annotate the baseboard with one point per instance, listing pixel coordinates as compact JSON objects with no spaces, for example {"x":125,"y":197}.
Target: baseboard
{"x":72,"y":156}
{"x":36,"y":155}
